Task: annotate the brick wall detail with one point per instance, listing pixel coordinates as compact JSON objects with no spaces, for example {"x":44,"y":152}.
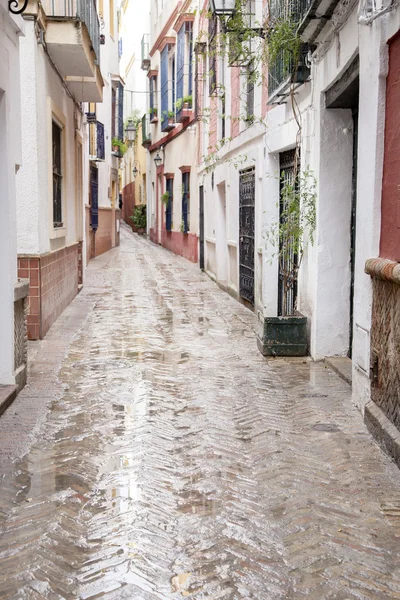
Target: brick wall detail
{"x":53,"y":283}
{"x":385,"y":336}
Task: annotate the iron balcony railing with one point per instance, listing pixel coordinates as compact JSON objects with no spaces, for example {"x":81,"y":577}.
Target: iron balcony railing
{"x":146,"y":136}
{"x":145,"y":52}
{"x":83,"y":10}
{"x":294,"y":10}
{"x":282,"y":72}
{"x":96,"y":141}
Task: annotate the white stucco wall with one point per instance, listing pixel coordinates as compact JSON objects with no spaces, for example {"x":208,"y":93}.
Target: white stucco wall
{"x":44,"y":98}
{"x":10,"y":156}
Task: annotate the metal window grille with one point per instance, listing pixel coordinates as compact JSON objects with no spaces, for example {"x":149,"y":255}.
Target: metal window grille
{"x":169,"y":206}
{"x":186,"y":202}
{"x":164,"y":87}
{"x":57,"y":176}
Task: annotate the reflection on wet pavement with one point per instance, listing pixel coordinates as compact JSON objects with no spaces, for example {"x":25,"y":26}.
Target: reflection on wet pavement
{"x":175,"y":461}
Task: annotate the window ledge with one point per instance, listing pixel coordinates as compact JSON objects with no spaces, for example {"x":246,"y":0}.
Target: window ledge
{"x":58,"y":232}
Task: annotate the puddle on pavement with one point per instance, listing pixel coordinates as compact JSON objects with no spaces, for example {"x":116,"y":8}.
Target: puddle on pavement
{"x":179,"y":462}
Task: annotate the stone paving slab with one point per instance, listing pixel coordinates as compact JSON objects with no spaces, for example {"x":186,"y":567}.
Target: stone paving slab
{"x":157,"y":455}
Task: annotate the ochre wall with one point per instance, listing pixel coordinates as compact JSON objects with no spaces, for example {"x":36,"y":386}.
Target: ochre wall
{"x":390,"y":224}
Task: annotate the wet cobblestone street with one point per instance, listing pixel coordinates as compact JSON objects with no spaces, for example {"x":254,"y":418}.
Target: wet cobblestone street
{"x":155,"y":454}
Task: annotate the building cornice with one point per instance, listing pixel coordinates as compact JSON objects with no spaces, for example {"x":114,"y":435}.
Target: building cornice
{"x":164,"y":31}
{"x":183,"y":18}
{"x":152,"y":73}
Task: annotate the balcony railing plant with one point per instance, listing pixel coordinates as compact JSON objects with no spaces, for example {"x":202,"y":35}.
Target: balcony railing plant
{"x":83,"y":10}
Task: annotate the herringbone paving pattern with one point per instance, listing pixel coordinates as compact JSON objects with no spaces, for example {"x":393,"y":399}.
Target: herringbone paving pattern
{"x":169,"y":459}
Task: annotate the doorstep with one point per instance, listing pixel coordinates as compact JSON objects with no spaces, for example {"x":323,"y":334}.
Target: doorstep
{"x":8,"y":394}
{"x":342,"y":365}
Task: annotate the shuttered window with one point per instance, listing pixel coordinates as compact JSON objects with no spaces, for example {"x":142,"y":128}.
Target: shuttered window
{"x":164,"y":87}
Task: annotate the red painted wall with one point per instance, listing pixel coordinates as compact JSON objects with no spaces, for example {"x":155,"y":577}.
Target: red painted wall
{"x":390,"y":223}
{"x":185,"y":245}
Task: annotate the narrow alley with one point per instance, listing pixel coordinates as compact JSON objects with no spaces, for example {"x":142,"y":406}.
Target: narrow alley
{"x":160,"y":455}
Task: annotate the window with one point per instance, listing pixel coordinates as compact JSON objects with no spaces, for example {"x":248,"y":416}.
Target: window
{"x":186,"y":201}
{"x":57,"y":176}
{"x":168,"y":208}
{"x":164,"y":86}
{"x":153,"y":97}
{"x":212,"y":54}
{"x":113,"y":112}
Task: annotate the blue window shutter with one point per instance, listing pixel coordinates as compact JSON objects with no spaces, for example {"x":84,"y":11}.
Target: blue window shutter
{"x":164,"y":86}
{"x":189,"y":30}
{"x":120,"y":111}
{"x":180,"y":63}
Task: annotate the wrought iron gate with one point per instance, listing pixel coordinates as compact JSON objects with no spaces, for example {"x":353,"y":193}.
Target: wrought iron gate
{"x":201,"y":228}
{"x":247,"y":183}
{"x":287,"y":262}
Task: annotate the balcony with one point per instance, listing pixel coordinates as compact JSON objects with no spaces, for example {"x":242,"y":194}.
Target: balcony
{"x":73,"y":43}
{"x":96,"y":141}
{"x":283,"y":76}
{"x":145,"y":64}
{"x":146,"y":136}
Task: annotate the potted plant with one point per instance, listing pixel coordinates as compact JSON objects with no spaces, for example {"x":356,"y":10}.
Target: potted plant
{"x":183,"y":108}
{"x":153,"y":114}
{"x":286,"y":334}
{"x":118,"y":147}
{"x":139,"y":218}
{"x":187,"y":102}
{"x":168,"y":122}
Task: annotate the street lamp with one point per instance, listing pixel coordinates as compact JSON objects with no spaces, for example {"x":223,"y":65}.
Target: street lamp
{"x":135,"y":170}
{"x":130,"y":132}
{"x":158,"y":159}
